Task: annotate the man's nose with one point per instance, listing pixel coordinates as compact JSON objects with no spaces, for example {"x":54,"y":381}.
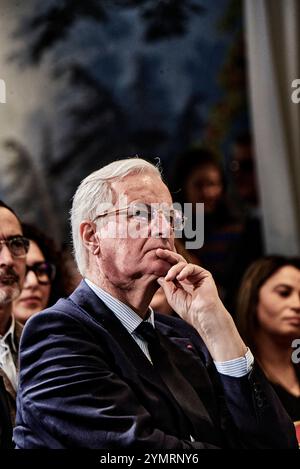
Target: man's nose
{"x":161,"y":226}
{"x":6,"y":257}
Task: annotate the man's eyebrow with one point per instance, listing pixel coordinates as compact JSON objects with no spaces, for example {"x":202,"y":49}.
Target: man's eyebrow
{"x":14,"y":236}
{"x":138,"y":201}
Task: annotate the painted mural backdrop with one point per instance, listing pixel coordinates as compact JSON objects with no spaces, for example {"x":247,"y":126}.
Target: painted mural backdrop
{"x":87,"y":82}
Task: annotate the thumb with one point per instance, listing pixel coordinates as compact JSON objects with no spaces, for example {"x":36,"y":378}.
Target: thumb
{"x":168,"y":287}
{"x":160,"y":281}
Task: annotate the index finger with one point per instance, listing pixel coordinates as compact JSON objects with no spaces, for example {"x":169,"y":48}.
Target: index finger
{"x":170,"y":256}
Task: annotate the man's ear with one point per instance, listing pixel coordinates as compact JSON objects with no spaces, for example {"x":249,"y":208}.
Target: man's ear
{"x":89,"y":238}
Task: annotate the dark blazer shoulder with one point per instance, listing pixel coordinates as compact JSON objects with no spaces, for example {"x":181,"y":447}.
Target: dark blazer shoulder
{"x":81,"y":306}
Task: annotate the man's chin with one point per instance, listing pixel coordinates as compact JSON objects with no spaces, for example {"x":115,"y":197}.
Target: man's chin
{"x":8,"y":294}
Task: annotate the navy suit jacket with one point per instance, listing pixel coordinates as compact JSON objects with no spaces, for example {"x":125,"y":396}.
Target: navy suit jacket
{"x":5,"y":420}
{"x":85,"y":383}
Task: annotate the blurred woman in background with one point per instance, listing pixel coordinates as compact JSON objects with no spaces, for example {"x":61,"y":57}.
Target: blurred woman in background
{"x":268,"y":318}
{"x":199,"y":179}
{"x":43,"y":283}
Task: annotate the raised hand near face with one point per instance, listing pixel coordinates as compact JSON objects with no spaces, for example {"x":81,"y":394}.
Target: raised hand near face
{"x":192,"y":293}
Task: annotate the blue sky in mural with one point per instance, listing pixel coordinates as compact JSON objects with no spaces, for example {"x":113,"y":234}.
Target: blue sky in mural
{"x":109,"y":92}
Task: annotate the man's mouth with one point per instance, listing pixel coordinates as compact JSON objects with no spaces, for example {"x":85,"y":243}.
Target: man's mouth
{"x":8,"y":279}
{"x":165,"y":245}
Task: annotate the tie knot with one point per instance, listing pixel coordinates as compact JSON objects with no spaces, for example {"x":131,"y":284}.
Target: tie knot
{"x":146,"y":331}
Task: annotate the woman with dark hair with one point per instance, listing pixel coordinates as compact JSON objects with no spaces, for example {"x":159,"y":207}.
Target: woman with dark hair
{"x":43,"y":284}
{"x":199,"y":179}
{"x":268,"y":319}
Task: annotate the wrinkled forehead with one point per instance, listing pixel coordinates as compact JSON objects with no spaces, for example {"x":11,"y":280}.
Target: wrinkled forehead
{"x":143,"y":187}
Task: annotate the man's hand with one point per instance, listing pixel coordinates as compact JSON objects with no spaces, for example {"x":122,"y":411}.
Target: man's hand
{"x":192,"y":293}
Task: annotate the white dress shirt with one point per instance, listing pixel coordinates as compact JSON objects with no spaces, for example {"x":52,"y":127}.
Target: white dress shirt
{"x":6,"y":358}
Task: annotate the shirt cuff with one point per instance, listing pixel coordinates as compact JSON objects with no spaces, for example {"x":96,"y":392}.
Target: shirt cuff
{"x":237,"y":367}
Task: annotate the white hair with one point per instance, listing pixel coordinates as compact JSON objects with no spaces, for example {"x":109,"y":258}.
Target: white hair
{"x":96,"y":189}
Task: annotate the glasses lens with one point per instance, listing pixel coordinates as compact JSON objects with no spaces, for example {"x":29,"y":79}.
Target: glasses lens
{"x":140,"y":212}
{"x":173,"y":217}
{"x":18,"y":246}
{"x":44,"y":271}
{"x":146,"y":213}
{"x":178,"y":220}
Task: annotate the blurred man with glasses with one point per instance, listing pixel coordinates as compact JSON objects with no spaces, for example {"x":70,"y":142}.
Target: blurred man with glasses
{"x":101,"y":370}
{"x":13,"y":250}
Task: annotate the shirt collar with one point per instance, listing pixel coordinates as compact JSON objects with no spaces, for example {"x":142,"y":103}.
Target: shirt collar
{"x":8,"y":337}
{"x":128,"y":317}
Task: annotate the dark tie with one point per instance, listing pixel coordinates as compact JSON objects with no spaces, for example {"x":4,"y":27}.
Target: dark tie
{"x":183,"y":393}
{"x":147,"y":332}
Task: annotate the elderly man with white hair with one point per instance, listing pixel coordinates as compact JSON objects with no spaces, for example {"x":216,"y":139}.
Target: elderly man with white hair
{"x":101,"y":370}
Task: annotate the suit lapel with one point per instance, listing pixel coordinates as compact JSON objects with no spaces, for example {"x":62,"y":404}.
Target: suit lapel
{"x":14,"y":351}
{"x":123,"y":343}
{"x":88,"y":301}
{"x":11,"y":395}
{"x":181,"y":352}
{"x":7,"y":384}
{"x":6,"y":417}
{"x":17,"y":337}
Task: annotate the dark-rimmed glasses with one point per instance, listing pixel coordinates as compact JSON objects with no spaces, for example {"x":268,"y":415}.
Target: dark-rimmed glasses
{"x":145,"y":213}
{"x":18,"y":246}
{"x":44,"y":272}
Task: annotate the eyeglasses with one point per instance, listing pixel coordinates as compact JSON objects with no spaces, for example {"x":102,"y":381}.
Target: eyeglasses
{"x":18,"y":245}
{"x":145,"y":213}
{"x":44,"y":272}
